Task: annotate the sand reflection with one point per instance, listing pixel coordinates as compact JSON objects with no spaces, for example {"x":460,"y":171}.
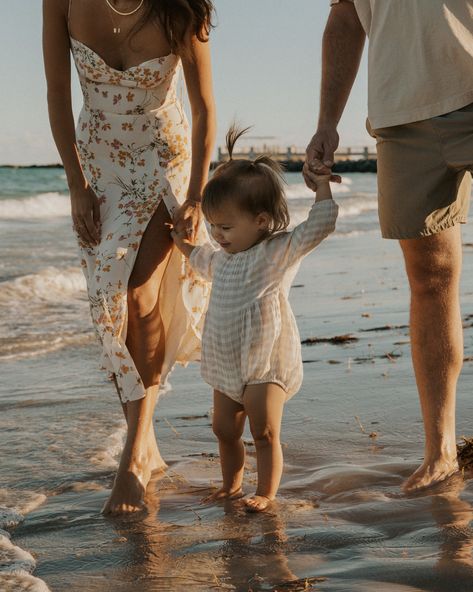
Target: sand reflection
{"x":454,"y":516}
{"x":182,"y":544}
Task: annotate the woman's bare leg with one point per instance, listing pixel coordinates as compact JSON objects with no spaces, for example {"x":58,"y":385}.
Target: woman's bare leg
{"x":157,"y":463}
{"x":145,"y":342}
{"x":228,"y":424}
{"x":264,"y":404}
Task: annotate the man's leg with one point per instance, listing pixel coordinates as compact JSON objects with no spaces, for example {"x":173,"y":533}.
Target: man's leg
{"x":433,"y":266}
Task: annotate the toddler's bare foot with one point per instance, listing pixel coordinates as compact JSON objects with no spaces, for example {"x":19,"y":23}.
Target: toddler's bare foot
{"x":222,"y":494}
{"x":430,"y":473}
{"x":258,"y":503}
{"x":128,"y":491}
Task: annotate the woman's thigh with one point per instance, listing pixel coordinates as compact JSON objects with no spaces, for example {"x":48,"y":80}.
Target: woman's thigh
{"x":155,"y":246}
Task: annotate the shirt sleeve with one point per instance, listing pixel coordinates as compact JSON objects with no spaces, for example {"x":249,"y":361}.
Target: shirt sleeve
{"x":202,"y":260}
{"x":287,"y":248}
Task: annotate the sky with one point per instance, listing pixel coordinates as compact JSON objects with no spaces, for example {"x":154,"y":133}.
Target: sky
{"x":266,"y":63}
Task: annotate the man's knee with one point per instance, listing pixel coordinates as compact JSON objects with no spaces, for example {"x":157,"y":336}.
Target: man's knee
{"x":433,"y":268}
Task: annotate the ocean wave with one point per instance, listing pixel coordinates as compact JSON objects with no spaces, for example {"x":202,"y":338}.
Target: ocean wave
{"x":300,"y":190}
{"x":43,"y":205}
{"x":51,"y":284}
{"x":354,"y":206}
{"x":30,"y":346}
{"x":350,"y":207}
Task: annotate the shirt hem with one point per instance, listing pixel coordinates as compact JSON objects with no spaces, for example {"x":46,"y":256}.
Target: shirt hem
{"x":426,"y":231}
{"x":237,"y":397}
{"x":440,"y":108}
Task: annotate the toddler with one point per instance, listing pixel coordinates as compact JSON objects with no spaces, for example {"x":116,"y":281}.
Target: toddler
{"x":251,"y":352}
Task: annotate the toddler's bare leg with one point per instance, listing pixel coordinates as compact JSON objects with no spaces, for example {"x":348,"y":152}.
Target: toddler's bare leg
{"x":228,"y":423}
{"x":264,"y":405}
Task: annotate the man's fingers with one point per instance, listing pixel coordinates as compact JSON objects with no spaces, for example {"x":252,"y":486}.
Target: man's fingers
{"x":319,"y":168}
{"x":309,"y":177}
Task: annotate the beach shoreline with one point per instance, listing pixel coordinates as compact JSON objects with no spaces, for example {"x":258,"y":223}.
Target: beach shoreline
{"x":350,"y":437}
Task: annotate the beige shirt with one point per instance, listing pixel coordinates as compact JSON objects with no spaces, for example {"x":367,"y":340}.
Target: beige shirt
{"x":420,"y":58}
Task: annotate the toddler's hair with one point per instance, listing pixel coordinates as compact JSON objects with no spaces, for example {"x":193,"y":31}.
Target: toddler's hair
{"x":254,"y":186}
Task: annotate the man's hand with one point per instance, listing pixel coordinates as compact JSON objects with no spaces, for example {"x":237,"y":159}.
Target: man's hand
{"x":320,"y":156}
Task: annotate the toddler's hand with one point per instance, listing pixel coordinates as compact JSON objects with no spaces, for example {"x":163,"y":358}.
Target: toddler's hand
{"x":182,"y":241}
{"x":323,"y":190}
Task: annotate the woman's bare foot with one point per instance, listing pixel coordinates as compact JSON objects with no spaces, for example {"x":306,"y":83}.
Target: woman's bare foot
{"x":258,"y":503}
{"x":128,"y":491}
{"x":223,"y":494}
{"x":156,"y":462}
{"x":430,"y":473}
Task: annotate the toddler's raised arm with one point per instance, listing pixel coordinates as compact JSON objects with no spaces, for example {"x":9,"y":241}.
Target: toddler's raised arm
{"x":287,"y":248}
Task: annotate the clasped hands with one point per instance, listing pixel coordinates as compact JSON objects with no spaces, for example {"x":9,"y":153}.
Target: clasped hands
{"x":186,"y":221}
{"x":320,"y":156}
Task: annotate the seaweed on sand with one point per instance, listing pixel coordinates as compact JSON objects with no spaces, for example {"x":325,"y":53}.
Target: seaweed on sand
{"x":465,"y":453}
{"x":336,"y":340}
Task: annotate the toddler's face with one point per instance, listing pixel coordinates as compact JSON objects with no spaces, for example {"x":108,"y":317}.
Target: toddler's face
{"x":237,"y":230}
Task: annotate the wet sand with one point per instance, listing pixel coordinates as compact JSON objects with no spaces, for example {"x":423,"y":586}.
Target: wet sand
{"x":351,"y":436}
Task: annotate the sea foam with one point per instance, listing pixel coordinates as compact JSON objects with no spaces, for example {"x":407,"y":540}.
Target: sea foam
{"x":300,"y":190}
{"x":106,"y":456}
{"x":16,"y":563}
{"x":14,"y":504}
{"x":21,"y":581}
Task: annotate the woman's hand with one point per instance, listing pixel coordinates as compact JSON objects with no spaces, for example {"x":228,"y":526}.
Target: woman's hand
{"x":187,"y":218}
{"x":85,"y":211}
{"x":182,"y":242}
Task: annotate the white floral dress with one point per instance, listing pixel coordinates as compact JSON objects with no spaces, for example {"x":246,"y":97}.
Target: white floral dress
{"x":250,"y":334}
{"x":133,"y":142}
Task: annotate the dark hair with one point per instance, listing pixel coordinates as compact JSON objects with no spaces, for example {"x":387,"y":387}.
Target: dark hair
{"x":180,"y":19}
{"x":254,"y":185}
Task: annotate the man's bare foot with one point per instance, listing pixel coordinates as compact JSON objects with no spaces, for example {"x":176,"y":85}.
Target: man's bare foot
{"x":128,"y":491}
{"x":430,"y":473}
{"x":258,"y":503}
{"x":223,"y":494}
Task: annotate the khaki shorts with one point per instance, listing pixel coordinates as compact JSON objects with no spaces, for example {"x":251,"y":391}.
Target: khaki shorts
{"x":423,"y":181}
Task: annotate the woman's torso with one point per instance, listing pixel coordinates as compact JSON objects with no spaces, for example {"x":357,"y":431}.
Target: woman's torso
{"x":132,"y":131}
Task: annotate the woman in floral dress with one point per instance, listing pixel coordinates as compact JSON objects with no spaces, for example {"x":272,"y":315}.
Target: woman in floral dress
{"x":130,"y":172}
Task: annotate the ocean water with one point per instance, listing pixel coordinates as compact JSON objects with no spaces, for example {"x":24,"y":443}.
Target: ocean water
{"x":350,"y":436}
